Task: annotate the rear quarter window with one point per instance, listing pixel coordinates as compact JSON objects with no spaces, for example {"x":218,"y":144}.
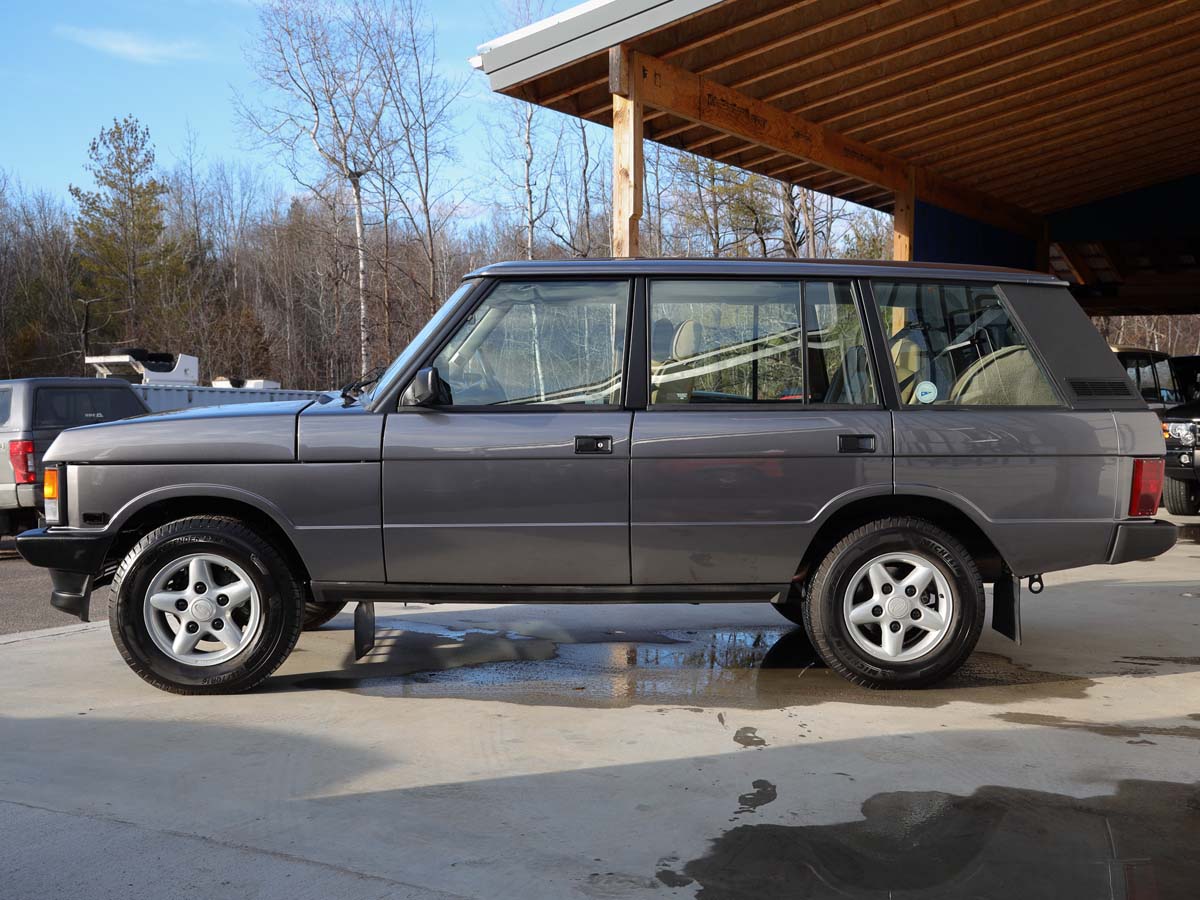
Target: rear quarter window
{"x":69,"y":407}
{"x":5,"y":405}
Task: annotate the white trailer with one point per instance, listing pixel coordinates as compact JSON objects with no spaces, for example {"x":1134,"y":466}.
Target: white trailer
{"x":169,"y":381}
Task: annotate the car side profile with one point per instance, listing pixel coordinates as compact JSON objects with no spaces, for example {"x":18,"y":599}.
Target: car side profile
{"x":865,"y":445}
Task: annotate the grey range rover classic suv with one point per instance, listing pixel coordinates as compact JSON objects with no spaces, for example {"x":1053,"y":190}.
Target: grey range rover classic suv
{"x":863,"y":445}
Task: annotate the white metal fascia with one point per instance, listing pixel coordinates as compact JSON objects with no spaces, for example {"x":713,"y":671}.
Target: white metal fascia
{"x":575,"y":34}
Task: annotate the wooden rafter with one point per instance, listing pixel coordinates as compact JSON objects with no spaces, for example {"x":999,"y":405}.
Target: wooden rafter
{"x":671,"y":89}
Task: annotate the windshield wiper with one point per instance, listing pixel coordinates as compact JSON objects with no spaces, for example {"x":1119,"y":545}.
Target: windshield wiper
{"x":354,"y":389}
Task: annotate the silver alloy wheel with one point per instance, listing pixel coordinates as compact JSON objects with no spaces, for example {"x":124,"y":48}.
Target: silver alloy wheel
{"x":898,"y":607}
{"x":202,"y":610}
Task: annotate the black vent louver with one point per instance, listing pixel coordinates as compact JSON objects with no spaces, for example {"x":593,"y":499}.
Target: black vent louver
{"x":1101,"y":388}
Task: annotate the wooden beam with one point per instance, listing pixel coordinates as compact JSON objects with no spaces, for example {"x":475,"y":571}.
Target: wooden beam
{"x":628,"y":164}
{"x":904,"y":220}
{"x":674,"y":90}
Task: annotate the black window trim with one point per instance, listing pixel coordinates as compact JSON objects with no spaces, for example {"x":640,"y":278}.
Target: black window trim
{"x":760,"y":407}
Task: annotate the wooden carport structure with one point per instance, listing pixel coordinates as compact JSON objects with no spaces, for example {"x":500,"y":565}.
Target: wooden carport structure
{"x":1062,"y":135}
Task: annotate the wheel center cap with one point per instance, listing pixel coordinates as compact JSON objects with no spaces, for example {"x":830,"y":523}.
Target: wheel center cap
{"x":203,"y":610}
{"x":897,"y":607}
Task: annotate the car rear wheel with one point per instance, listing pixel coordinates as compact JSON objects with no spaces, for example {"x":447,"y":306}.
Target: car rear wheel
{"x":897,"y":603}
{"x":318,"y":614}
{"x":205,"y":605}
{"x":1181,"y":497}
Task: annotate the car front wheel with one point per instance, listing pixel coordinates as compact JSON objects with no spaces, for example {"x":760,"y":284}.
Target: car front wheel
{"x":205,"y":605}
{"x":897,"y":603}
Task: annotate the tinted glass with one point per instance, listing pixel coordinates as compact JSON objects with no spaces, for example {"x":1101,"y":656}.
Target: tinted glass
{"x":68,"y":407}
{"x":954,"y":344}
{"x":5,"y":404}
{"x":551,"y":342}
{"x":727,"y":341}
{"x":1140,"y":369}
{"x":1167,"y":391}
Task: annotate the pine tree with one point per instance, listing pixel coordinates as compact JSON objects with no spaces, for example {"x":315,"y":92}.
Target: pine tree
{"x":119,"y":226}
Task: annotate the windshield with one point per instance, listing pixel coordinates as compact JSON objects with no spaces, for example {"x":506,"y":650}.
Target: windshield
{"x":417,"y":342}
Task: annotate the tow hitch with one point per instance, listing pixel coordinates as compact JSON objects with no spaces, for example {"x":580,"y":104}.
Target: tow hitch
{"x":364,"y":628}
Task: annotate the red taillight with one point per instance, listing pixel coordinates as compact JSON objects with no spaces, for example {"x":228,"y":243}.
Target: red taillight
{"x":1146,"y":491}
{"x":20,"y":454}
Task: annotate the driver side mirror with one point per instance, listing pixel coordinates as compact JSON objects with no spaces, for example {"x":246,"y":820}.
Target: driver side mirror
{"x":427,"y":389}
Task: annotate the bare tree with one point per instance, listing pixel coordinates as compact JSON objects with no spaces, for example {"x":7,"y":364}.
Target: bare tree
{"x":323,"y":86}
{"x":419,"y":131}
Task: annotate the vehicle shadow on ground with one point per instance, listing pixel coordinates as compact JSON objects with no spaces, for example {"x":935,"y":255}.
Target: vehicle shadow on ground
{"x":551,"y":665}
{"x":822,"y":821}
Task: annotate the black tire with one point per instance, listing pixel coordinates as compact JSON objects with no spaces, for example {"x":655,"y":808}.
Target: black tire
{"x":824,"y":609}
{"x":282,"y":605}
{"x":1181,"y":497}
{"x":318,"y":614}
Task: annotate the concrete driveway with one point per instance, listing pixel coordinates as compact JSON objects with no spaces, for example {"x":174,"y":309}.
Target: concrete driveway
{"x":622,"y":751}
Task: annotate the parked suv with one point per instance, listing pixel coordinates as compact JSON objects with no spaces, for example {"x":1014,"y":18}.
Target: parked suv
{"x":864,"y":445}
{"x":32,"y":413}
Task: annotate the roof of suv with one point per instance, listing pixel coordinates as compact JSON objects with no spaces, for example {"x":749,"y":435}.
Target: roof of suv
{"x":830,"y":268}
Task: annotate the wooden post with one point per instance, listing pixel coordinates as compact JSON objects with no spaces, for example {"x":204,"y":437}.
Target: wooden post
{"x":903,"y":221}
{"x":628,"y":165}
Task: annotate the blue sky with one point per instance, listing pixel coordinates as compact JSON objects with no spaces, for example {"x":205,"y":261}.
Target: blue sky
{"x":69,"y":67}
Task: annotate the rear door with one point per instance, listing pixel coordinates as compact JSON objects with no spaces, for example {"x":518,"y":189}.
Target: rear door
{"x":524,"y":478}
{"x":762,"y":412}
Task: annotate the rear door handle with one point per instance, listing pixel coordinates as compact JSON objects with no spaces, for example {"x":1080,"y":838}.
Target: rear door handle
{"x":856,"y":443}
{"x":593,"y":443}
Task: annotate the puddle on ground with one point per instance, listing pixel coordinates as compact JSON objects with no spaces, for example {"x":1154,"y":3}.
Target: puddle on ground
{"x":997,"y":843}
{"x":1132,"y":733}
{"x":542,"y":664}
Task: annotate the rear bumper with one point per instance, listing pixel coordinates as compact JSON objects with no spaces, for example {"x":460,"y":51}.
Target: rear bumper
{"x":1142,"y":540}
{"x":73,"y":560}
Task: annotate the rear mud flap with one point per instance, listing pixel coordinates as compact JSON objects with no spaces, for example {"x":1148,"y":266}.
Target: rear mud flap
{"x":1006,"y":605}
{"x":364,"y":629}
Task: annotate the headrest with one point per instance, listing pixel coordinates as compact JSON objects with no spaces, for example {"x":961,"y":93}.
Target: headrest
{"x":661,"y":336}
{"x":688,"y":337}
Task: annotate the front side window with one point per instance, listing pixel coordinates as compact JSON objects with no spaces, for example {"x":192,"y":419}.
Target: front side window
{"x":956,"y":345}
{"x":743,"y":341}
{"x":540,"y":342}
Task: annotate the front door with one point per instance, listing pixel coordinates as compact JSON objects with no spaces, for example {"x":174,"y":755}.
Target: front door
{"x":762,"y":413}
{"x":524,"y":478}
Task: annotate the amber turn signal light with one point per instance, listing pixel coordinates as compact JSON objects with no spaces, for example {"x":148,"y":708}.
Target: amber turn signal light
{"x":50,"y":484}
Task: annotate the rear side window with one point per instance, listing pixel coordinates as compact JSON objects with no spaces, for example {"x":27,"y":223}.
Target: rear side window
{"x":68,"y":407}
{"x":5,"y":405}
{"x":957,"y":345}
{"x":743,"y":341}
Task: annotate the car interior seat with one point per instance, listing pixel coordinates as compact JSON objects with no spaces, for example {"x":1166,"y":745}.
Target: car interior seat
{"x":1009,"y":376}
{"x":685,"y":343}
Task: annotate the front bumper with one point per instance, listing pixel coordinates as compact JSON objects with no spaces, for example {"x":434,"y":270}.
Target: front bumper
{"x":1142,"y":540}
{"x":74,"y":560}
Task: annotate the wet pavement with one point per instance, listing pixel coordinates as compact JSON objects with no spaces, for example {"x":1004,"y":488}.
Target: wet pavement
{"x":532,"y":752}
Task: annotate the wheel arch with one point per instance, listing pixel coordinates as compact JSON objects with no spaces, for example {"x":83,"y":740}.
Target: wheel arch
{"x":143,"y":515}
{"x":940,"y":510}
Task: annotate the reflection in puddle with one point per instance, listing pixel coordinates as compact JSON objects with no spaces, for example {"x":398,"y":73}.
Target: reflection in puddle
{"x":998,"y":842}
{"x":540,"y":664}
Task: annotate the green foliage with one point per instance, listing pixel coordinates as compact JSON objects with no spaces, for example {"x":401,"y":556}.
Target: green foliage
{"x":119,"y":228}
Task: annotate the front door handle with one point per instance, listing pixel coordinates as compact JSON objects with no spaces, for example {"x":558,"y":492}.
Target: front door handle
{"x":593,"y":443}
{"x":856,"y":443}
